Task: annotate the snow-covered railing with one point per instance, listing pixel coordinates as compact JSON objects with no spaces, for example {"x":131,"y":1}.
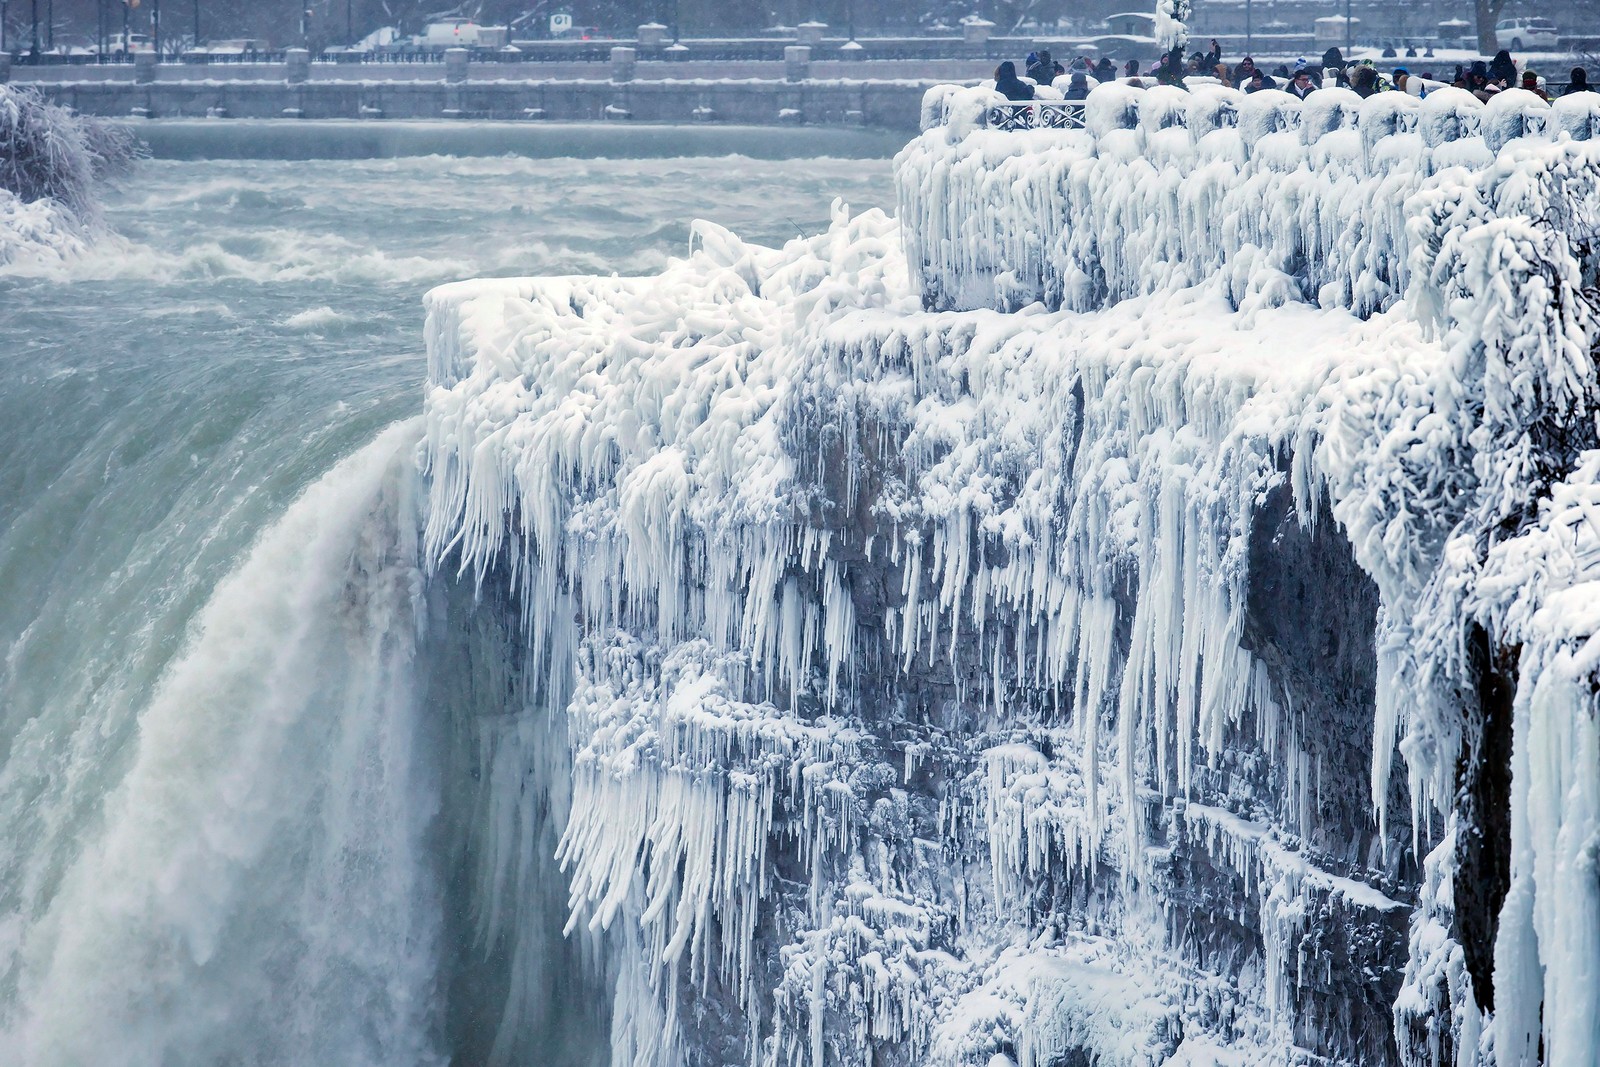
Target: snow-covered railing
{"x":1163,"y":184}
{"x":1035,"y":115}
{"x":949,"y":104}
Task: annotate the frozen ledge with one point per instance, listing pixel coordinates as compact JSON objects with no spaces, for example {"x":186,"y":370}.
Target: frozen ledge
{"x":900,"y":641}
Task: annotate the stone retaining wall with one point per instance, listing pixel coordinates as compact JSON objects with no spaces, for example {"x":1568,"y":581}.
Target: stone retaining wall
{"x":877,"y":103}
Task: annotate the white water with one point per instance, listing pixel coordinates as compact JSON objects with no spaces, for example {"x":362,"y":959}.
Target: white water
{"x":258,"y":890}
{"x":236,"y":824}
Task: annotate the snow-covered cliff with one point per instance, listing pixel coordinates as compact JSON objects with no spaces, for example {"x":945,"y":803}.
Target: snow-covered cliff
{"x":987,"y":637}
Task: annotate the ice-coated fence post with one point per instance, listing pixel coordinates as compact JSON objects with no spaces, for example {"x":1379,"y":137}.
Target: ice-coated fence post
{"x":975,"y":32}
{"x":296,"y":65}
{"x":796,"y":62}
{"x":5,"y":67}
{"x":144,"y":67}
{"x":810,"y":33}
{"x":455,"y":64}
{"x":652,"y":35}
{"x":622,"y":61}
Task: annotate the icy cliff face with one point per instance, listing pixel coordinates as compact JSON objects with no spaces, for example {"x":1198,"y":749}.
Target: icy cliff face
{"x":986,"y":637}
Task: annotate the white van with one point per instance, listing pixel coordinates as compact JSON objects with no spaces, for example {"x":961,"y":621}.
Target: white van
{"x":1530,"y":34}
{"x":121,"y":45}
{"x":462,"y":33}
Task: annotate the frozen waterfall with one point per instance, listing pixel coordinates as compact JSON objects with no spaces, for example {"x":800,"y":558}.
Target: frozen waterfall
{"x":1087,"y":619}
{"x":1135,"y":607}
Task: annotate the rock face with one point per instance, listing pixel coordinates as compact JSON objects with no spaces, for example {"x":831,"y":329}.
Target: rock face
{"x":1310,"y":619}
{"x":987,"y":638}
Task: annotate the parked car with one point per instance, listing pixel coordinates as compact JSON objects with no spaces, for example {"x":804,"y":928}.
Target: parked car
{"x":123,"y":44}
{"x":1530,"y":34}
{"x":460,"y":33}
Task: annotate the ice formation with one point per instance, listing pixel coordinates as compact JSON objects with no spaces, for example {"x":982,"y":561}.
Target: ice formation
{"x":986,"y":637}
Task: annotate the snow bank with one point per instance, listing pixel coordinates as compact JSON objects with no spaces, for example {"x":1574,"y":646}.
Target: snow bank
{"x":909,"y":645}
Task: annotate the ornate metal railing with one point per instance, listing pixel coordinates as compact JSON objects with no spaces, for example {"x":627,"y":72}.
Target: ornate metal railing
{"x":1036,"y":115}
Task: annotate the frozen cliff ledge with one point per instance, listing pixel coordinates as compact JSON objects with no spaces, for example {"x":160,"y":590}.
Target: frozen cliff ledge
{"x":997,"y":686}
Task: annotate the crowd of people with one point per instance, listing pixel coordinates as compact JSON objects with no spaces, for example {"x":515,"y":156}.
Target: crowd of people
{"x":1482,"y":79}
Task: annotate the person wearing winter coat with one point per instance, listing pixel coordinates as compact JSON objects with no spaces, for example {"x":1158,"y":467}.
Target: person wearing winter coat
{"x":1045,"y":70}
{"x":1580,"y":82}
{"x":1244,"y":72}
{"x":1105,"y":70}
{"x":1301,"y":86}
{"x":1502,"y":69}
{"x":1131,"y":70}
{"x":1009,"y":85}
{"x":1170,"y":72}
{"x":1078,"y":88}
{"x":1333,"y":66}
{"x":1364,"y":80}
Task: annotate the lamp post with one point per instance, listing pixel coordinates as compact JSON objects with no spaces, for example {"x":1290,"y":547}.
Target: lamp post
{"x":350,"y":25}
{"x":196,"y":23}
{"x":1349,"y":33}
{"x":155,"y":28}
{"x":34,"y":5}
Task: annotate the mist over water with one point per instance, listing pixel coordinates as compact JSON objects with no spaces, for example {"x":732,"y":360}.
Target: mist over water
{"x":236,"y":806}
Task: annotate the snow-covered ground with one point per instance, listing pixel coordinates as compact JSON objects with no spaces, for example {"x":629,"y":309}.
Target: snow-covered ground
{"x":904,"y":579}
